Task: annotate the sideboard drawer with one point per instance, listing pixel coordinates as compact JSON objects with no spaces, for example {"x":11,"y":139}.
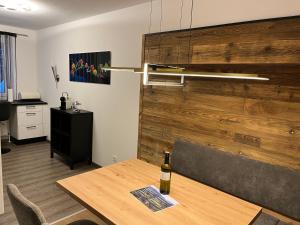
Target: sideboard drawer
{"x":30,"y":131}
{"x":29,"y":118}
{"x":30,"y":108}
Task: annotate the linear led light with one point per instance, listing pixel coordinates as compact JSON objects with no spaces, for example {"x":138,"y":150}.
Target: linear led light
{"x":161,"y":70}
{"x":211,"y":75}
{"x":122,"y":69}
{"x":164,"y":83}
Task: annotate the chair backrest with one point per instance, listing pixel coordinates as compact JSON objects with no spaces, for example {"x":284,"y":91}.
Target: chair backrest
{"x":270,"y":186}
{"x":26,"y":212}
{"x":4,"y":110}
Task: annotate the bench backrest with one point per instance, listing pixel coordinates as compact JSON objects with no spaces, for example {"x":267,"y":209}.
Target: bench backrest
{"x":269,"y":186}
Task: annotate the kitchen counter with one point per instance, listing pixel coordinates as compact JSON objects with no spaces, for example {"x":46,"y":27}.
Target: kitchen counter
{"x":28,"y":102}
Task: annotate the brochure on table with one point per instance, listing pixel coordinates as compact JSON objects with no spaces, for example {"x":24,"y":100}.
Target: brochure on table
{"x":153,"y":199}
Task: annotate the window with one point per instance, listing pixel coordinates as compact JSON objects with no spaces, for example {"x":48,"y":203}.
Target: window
{"x":2,"y":87}
{"x":2,"y":81}
{"x":2,"y":84}
{"x":8,"y":70}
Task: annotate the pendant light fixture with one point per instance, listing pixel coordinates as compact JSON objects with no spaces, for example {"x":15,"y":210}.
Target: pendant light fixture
{"x":174,"y":71}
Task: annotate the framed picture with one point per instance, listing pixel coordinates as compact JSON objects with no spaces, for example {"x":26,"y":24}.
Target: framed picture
{"x":87,"y":67}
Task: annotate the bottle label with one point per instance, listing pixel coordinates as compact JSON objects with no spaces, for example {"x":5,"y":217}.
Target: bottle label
{"x":165,"y":176}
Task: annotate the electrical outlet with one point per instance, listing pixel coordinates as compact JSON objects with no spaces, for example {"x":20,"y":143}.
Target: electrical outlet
{"x":114,"y":158}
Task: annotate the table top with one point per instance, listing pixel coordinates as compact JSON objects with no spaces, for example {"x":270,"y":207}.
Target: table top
{"x":106,"y":192}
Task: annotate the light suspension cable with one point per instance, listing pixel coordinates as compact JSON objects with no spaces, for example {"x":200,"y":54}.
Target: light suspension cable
{"x":175,"y":71}
{"x":180,"y":26}
{"x":190,"y":38}
{"x":150,"y":17}
{"x":160,"y":29}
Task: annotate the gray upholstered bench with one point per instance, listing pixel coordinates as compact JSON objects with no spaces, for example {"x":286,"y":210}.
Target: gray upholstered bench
{"x":272,"y":187}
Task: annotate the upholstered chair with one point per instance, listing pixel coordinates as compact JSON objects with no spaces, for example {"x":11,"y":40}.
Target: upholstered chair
{"x":28,"y":213}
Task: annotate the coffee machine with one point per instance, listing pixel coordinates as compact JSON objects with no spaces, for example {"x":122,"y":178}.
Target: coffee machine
{"x":65,"y":101}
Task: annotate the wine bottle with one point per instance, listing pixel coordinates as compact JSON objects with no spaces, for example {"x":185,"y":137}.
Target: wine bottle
{"x":165,"y":177}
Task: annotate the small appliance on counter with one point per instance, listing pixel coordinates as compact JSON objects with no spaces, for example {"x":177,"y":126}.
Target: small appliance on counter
{"x":76,"y":105}
{"x":29,"y":96}
{"x":10,"y":95}
{"x":65,"y":101}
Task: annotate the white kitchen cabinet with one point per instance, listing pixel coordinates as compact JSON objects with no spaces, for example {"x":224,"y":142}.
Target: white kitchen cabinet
{"x":28,"y":121}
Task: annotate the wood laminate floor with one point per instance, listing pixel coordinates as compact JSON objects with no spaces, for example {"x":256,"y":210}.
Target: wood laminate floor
{"x":35,"y":173}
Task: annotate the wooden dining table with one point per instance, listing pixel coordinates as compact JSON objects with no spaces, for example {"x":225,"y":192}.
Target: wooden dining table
{"x":106,"y":193}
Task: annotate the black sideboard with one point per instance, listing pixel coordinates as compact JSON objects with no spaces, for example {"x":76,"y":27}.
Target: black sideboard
{"x":72,"y":135}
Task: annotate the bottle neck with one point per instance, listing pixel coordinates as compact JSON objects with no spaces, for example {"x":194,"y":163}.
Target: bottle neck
{"x":167,"y":158}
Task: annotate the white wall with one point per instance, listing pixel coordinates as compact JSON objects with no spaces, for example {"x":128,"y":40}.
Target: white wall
{"x":116,"y":106}
{"x":26,"y":58}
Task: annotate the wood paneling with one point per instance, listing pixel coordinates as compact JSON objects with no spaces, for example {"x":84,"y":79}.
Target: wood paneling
{"x":258,"y":119}
{"x":261,"y":42}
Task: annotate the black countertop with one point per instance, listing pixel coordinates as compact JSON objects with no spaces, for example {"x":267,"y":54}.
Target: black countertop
{"x":28,"y":102}
{"x":71,"y":111}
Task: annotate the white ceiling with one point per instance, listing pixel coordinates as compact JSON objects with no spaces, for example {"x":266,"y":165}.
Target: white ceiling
{"x":46,"y":13}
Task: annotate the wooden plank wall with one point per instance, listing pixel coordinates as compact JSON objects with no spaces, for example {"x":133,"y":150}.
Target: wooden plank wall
{"x":257,"y":119}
